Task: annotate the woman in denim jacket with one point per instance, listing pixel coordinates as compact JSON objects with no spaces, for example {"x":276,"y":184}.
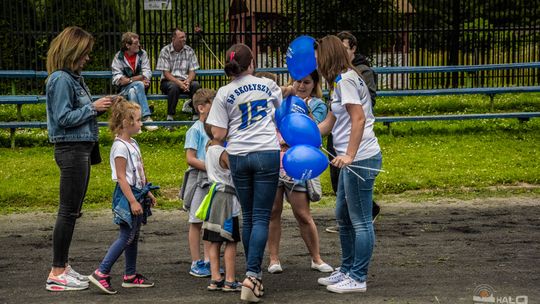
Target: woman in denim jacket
{"x":73,"y":128}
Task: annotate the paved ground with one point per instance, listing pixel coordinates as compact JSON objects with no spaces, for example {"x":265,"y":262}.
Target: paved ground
{"x":425,"y":253}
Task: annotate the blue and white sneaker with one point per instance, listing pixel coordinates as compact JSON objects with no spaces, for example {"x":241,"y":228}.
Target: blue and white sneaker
{"x":200,"y":269}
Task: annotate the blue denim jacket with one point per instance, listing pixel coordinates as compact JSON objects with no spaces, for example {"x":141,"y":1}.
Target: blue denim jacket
{"x":121,"y":208}
{"x":71,"y":115}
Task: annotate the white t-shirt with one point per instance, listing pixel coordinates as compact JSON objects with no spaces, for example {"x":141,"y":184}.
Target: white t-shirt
{"x":245,"y":107}
{"x":134,"y":165}
{"x":217,"y":173}
{"x":349,"y":88}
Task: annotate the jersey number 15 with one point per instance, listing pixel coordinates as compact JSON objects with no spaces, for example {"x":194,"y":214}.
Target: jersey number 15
{"x":252,"y":112}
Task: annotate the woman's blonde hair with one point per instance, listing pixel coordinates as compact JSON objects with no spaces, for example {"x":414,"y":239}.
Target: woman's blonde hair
{"x":332,"y":58}
{"x":66,"y":49}
{"x":317,"y":87}
{"x":122,"y":110}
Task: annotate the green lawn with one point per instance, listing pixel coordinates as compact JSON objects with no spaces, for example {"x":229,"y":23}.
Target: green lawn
{"x":437,"y":157}
{"x":423,"y":160}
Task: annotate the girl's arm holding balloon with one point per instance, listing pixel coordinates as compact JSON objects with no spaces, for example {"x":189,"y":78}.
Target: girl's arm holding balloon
{"x":358,"y":120}
{"x":327,"y":124}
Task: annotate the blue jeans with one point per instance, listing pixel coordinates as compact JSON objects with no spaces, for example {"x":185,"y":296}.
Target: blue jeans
{"x":135,"y":92}
{"x":127,"y":243}
{"x":255,"y":177}
{"x":353,"y":214}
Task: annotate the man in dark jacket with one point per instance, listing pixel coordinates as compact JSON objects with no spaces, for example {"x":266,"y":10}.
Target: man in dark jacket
{"x":370,"y":79}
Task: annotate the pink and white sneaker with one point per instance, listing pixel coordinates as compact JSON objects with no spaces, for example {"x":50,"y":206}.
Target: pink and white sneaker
{"x":64,"y":282}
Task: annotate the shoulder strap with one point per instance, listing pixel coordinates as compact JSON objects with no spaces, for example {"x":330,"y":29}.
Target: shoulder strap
{"x":134,"y":169}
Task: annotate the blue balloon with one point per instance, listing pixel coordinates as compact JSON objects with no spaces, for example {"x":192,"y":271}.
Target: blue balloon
{"x":291,"y":104}
{"x":295,"y":104}
{"x":279,"y":115}
{"x":304,"y":162}
{"x":301,"y":57}
{"x":299,"y":129}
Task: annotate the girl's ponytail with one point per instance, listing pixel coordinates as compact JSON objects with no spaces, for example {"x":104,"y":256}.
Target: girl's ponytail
{"x":238,"y":59}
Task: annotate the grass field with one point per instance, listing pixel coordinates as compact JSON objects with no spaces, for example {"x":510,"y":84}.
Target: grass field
{"x":423,"y":160}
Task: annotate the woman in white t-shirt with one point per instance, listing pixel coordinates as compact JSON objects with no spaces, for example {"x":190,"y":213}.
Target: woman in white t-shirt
{"x":351,"y":123}
{"x":242,"y":113}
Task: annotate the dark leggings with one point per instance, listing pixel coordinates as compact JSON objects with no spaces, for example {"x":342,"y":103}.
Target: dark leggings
{"x":73,"y":159}
{"x":334,"y":171}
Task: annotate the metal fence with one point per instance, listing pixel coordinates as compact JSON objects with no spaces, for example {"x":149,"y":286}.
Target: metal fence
{"x":390,"y":33}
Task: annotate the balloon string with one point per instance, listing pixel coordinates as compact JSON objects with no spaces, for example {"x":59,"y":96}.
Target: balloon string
{"x":367,"y":168}
{"x":347,"y":167}
{"x":215,"y":57}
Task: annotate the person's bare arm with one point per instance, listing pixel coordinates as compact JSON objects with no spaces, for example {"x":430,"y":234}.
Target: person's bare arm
{"x":325,"y":127}
{"x":192,"y":160}
{"x":358,"y":120}
{"x":219,"y":134}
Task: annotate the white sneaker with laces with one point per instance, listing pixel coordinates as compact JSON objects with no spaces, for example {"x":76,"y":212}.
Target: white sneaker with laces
{"x":275,"y":268}
{"x":323,"y":267}
{"x":72,"y":273}
{"x":348,"y":285}
{"x":334,"y":278}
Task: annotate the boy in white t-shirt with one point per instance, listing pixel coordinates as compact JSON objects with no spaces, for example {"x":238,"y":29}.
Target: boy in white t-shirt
{"x":222,"y":225}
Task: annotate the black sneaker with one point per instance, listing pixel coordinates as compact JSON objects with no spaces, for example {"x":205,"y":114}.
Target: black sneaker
{"x":102,"y":282}
{"x":138,"y":280}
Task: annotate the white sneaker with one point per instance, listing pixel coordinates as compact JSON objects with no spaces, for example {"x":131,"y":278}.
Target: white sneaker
{"x":275,"y":268}
{"x":334,"y":278}
{"x":323,"y":267}
{"x":72,"y":273}
{"x":170,"y":117}
{"x":348,"y":285}
{"x":64,"y":282}
{"x":150,"y":128}
{"x":186,"y":107}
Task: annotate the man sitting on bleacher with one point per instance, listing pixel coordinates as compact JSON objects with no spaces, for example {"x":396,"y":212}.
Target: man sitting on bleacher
{"x":178,"y":63}
{"x":131,"y":74}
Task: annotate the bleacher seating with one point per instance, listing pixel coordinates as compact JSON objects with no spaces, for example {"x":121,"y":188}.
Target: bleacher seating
{"x":20,"y":100}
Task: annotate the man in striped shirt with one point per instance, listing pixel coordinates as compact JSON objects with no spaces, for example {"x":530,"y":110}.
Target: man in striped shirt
{"x":178,"y":63}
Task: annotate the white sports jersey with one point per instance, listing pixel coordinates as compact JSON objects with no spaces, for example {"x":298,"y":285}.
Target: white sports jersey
{"x":217,"y":173}
{"x":245,"y":107}
{"x":349,"y":88}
